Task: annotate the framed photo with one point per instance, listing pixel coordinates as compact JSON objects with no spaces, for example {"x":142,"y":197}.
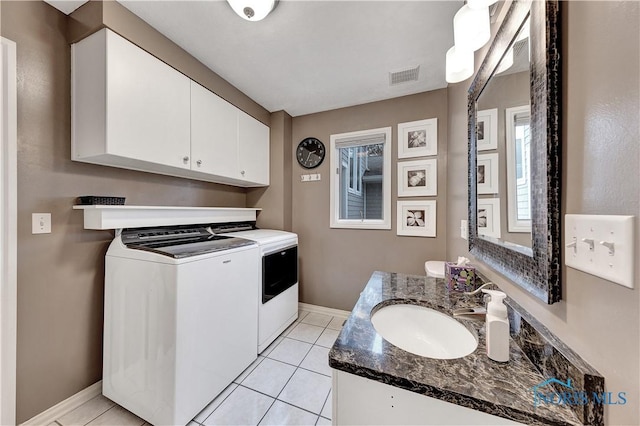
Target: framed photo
{"x":418,"y":178}
{"x":489,"y":217}
{"x":488,"y":173}
{"x":487,"y":128}
{"x":418,"y":138}
{"x":417,"y":218}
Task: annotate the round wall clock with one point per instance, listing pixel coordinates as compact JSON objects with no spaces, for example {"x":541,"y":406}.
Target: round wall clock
{"x":310,"y":153}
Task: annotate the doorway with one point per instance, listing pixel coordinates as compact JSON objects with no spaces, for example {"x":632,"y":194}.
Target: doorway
{"x":8,"y":230}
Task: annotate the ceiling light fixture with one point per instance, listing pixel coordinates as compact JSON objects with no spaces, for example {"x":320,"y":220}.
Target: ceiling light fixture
{"x":471,"y":28}
{"x":253,"y":10}
{"x":459,"y":65}
{"x":471,"y":31}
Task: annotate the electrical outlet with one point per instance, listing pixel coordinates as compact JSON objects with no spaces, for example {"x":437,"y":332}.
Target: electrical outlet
{"x":41,"y":223}
{"x":310,"y":178}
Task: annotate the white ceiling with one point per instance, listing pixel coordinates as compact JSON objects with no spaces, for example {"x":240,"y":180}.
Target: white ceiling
{"x":311,"y":56}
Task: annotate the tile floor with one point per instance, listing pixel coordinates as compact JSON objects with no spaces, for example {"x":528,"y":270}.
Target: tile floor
{"x":289,"y":384}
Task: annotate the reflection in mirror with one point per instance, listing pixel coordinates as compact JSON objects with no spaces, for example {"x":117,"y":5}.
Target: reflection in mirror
{"x":518,"y":140}
{"x":503,"y":144}
{"x":514,"y":127}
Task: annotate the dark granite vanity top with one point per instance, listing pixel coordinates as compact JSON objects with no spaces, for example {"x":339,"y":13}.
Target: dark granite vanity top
{"x":474,"y":381}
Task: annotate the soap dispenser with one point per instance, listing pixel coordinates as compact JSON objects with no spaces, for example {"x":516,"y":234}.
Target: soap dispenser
{"x":497,"y":326}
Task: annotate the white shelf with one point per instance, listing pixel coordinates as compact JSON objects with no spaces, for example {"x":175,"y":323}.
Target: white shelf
{"x":118,"y":217}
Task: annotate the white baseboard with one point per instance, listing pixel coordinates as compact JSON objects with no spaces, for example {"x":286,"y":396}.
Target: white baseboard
{"x":66,"y":406}
{"x":322,"y":310}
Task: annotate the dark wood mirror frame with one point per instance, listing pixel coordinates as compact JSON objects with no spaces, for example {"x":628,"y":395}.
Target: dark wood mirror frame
{"x":538,"y":273}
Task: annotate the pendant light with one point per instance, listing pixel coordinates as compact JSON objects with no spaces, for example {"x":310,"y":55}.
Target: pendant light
{"x":459,"y":65}
{"x":253,"y":10}
{"x":471,"y":28}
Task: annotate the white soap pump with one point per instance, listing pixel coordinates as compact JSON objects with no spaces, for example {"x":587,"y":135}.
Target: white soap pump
{"x":497,"y":326}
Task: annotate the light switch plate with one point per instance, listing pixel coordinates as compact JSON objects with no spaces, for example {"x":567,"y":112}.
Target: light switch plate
{"x":602,"y":246}
{"x":464,"y":229}
{"x":41,"y":223}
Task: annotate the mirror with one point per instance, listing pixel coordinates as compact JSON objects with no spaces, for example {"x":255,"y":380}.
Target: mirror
{"x":503,"y":149}
{"x":514,"y":151}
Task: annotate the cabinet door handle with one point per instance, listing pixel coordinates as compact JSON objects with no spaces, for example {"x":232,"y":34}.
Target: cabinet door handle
{"x":226,"y":261}
{"x":242,"y":173}
{"x":185,"y":159}
{"x":199,"y":163}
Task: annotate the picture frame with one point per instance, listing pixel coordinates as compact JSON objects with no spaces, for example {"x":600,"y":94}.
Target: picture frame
{"x":489,"y":217}
{"x":418,"y":178}
{"x":487,"y":129}
{"x":417,"y":218}
{"x":418,"y":138}
{"x":487,"y":174}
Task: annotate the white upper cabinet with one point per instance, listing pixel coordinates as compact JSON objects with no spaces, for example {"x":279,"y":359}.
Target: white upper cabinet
{"x":214,"y":133}
{"x":131,"y":110}
{"x":127,"y":103}
{"x":147,"y":106}
{"x":253,"y":141}
{"x":226,"y":141}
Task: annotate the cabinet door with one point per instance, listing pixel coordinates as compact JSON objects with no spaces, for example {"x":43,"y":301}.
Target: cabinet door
{"x":214,"y":134}
{"x":253,"y":143}
{"x":148,"y":106}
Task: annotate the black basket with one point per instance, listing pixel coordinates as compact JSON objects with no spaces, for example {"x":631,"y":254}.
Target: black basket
{"x":87,"y":200}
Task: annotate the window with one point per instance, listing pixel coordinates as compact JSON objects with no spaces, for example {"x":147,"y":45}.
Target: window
{"x":518,"y":137}
{"x":360,"y":180}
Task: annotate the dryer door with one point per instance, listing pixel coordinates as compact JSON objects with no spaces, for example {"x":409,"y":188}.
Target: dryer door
{"x":279,"y":272}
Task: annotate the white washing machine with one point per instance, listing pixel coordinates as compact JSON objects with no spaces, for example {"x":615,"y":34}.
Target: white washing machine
{"x":181,"y":309}
{"x":278,"y":300}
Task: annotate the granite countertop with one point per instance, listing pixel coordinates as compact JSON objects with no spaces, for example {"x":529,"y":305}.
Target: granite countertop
{"x":474,"y":381}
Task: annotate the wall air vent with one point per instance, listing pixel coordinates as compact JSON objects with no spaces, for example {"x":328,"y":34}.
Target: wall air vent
{"x":404,"y":75}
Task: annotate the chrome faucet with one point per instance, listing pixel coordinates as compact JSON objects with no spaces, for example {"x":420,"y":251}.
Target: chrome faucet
{"x":463,"y":312}
{"x":478,"y":290}
{"x":475,"y":311}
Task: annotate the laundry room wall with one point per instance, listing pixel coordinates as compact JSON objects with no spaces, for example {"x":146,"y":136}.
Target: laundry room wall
{"x":335,"y":264}
{"x":60,"y":275}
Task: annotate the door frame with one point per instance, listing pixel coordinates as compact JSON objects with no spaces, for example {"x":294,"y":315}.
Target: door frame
{"x":8,"y":231}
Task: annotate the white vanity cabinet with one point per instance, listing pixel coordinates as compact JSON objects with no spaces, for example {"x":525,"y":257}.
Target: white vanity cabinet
{"x":131,"y":110}
{"x":226,"y":141}
{"x":360,"y":401}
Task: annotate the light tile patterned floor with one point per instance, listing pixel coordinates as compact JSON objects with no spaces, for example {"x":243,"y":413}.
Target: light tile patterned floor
{"x":289,"y":384}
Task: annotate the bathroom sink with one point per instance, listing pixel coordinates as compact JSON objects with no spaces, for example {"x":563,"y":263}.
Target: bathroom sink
{"x":423,"y":331}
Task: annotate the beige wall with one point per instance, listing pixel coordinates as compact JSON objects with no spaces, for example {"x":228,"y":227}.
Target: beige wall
{"x":60,"y":275}
{"x":335,"y":264}
{"x":598,"y":319}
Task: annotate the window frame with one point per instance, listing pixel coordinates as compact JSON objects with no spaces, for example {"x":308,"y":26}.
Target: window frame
{"x":514,"y":224}
{"x":351,"y":139}
{"x":356,"y":170}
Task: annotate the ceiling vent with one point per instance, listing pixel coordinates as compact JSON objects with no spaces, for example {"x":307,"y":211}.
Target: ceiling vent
{"x":494,"y":11}
{"x":404,"y":75}
{"x":520,"y":46}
